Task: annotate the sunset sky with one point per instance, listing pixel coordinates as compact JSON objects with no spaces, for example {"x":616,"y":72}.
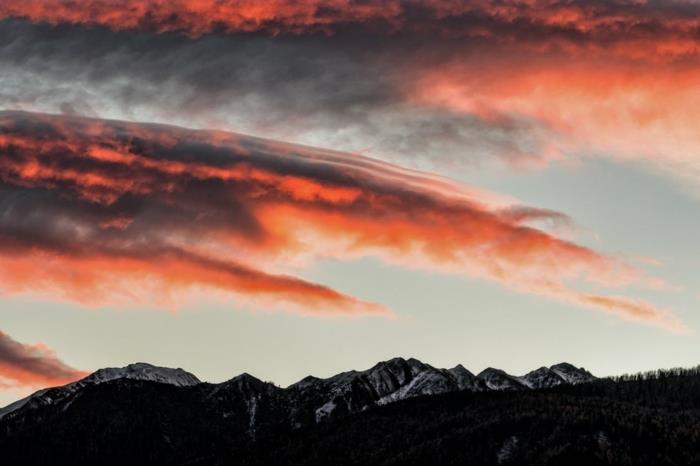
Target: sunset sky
{"x":303,"y":187}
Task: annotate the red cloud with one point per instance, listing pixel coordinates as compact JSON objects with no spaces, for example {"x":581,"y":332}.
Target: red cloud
{"x":671,"y":25}
{"x":94,"y":209}
{"x":32,"y":365}
{"x":563,"y":78}
{"x":631,"y":109}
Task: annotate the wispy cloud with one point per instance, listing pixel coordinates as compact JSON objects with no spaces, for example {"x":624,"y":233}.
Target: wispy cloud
{"x":427,"y":83}
{"x":98,"y":209}
{"x":589,"y":106}
{"x":35,"y":365}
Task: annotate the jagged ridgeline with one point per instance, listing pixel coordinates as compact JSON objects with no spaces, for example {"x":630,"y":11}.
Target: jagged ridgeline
{"x":398,"y":412}
{"x":347,"y":392}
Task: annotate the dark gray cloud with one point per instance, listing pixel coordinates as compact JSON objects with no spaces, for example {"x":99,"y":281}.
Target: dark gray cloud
{"x":346,"y":92}
{"x":353,"y":76}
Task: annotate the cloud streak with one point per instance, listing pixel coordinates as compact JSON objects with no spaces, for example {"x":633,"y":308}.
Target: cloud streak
{"x":97,"y":209}
{"x":316,"y":92}
{"x":430,"y":84}
{"x":600,"y":23}
{"x":32,"y":365}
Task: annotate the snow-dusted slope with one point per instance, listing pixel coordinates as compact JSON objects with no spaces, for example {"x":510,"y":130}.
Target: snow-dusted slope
{"x":466,"y":380}
{"x":572,"y":374}
{"x":544,"y":377}
{"x":498,"y":380}
{"x":354,"y":391}
{"x":143,"y":371}
{"x":19,"y":403}
{"x":399,"y":379}
{"x":432,"y":381}
{"x":558,"y":374}
{"x":386,"y":382}
{"x":313,"y":399}
{"x":136,"y":371}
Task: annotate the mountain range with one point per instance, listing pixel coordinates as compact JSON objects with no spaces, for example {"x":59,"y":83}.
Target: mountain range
{"x":348,"y":392}
{"x":398,"y":412}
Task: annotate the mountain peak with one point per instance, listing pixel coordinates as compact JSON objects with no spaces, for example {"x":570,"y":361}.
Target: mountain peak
{"x":399,"y":361}
{"x":544,"y":377}
{"x":245,"y":380}
{"x":572,"y":374}
{"x":351,"y":391}
{"x":144,"y":371}
{"x":491,"y":370}
{"x":497,"y":379}
{"x":245,"y":384}
{"x":135,"y":371}
{"x":305,"y":382}
{"x":566,"y":366}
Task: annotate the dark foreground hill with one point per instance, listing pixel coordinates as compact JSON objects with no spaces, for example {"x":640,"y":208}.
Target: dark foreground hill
{"x":649,"y":420}
{"x":633,"y":422}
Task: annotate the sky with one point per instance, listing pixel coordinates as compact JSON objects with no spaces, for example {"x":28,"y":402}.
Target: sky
{"x":305,"y":187}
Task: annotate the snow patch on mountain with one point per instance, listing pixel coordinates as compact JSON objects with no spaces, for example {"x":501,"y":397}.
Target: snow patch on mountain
{"x":325,"y":411}
{"x":143,"y":371}
{"x":498,"y":380}
{"x":348,"y":392}
{"x":543,"y":377}
{"x":137,"y":371}
{"x":572,"y":374}
{"x":399,"y":379}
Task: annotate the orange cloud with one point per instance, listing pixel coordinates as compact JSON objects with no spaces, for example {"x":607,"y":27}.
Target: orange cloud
{"x":630,"y":110}
{"x":94,"y":279}
{"x":93,"y":209}
{"x":618,"y":23}
{"x":32,"y":365}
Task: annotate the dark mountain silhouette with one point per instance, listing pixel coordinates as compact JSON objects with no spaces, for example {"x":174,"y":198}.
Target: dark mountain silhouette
{"x":398,"y":412}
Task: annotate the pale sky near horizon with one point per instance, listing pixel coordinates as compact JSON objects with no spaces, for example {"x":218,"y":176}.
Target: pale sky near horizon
{"x":586,"y":134}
